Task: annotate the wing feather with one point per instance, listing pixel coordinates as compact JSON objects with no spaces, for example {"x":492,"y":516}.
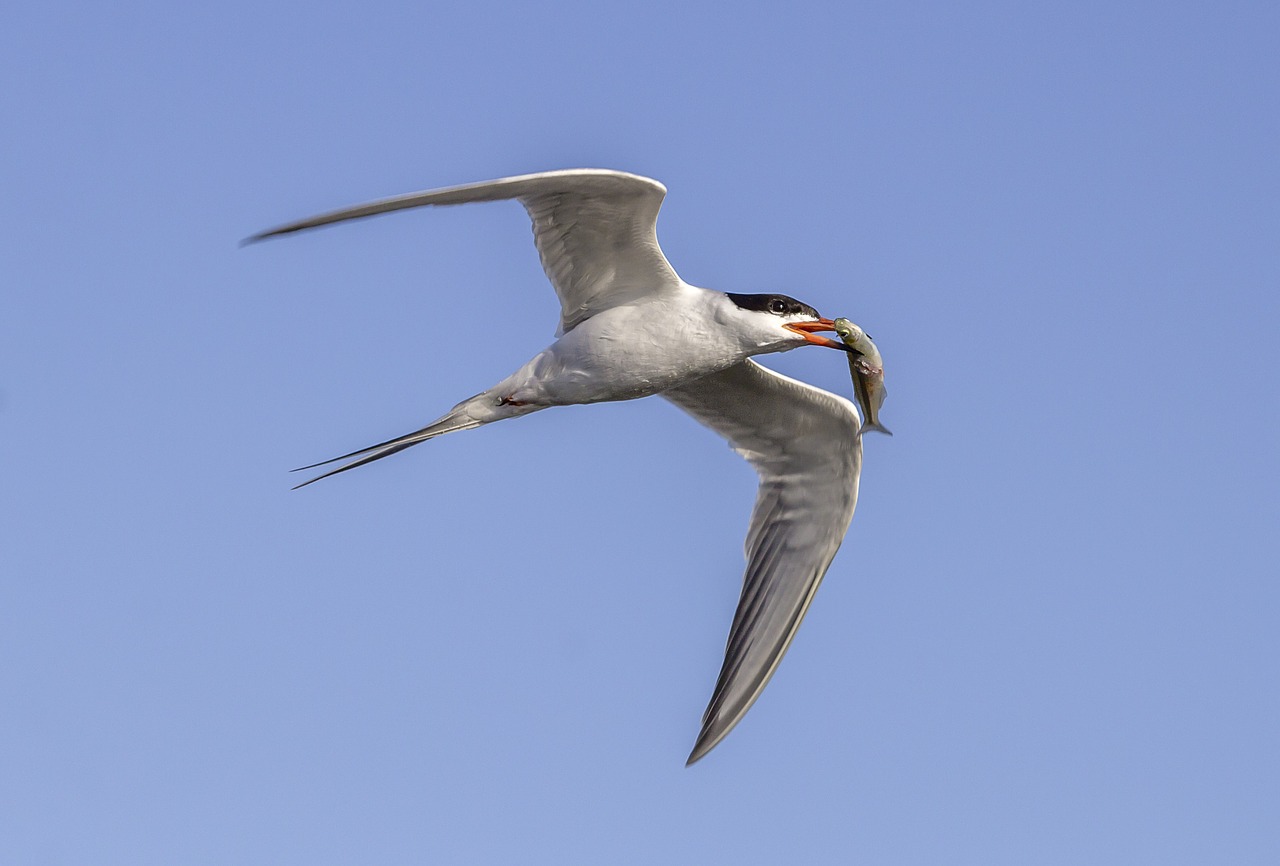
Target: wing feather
{"x":803,"y":442}
{"x":595,"y":230}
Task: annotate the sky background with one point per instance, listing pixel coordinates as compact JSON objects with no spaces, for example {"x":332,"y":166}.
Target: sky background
{"x":1050,"y":637}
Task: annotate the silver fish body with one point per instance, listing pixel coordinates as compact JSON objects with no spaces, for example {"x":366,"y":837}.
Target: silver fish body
{"x":867,"y":369}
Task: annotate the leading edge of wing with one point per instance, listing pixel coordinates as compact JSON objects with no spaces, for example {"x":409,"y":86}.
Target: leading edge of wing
{"x":803,"y":442}
{"x":574,"y":180}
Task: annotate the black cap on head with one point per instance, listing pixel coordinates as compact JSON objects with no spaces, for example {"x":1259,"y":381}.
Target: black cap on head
{"x":781,"y":305}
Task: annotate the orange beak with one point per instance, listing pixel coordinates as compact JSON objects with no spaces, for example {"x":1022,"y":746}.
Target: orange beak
{"x":807,"y":330}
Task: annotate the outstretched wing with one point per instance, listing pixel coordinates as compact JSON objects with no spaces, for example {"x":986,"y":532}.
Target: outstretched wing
{"x":804,"y":443}
{"x":595,"y":230}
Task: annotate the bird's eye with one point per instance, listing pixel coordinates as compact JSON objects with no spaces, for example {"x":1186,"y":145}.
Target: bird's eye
{"x":777,"y":305}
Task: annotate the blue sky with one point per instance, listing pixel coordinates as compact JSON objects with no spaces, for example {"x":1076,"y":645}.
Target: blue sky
{"x":1050,"y":636}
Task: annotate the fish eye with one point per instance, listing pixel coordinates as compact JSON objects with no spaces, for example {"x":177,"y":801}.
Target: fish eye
{"x":777,"y":305}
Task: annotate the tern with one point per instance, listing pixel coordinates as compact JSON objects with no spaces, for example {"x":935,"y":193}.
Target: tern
{"x":631,"y":328}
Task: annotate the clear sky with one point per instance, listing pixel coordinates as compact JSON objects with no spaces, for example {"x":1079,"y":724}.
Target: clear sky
{"x":1051,"y":635}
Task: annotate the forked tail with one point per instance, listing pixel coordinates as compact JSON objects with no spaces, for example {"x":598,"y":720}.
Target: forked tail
{"x":475,"y":412}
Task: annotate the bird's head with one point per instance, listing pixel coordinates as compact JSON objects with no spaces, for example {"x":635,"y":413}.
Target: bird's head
{"x":779,"y":322}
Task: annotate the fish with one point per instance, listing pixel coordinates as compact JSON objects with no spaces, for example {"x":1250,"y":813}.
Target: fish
{"x":866,"y":367}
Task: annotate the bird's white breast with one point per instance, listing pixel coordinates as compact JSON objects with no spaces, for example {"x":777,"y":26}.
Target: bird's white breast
{"x":631,"y":351}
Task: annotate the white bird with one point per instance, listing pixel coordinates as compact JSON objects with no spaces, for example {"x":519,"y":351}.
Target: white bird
{"x":629,"y":328}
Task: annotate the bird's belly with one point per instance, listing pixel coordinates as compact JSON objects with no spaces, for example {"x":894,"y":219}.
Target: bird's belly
{"x":607,"y":359}
{"x":601,"y":377}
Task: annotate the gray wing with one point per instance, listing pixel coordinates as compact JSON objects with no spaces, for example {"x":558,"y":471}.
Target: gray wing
{"x":595,"y":231}
{"x":803,"y":442}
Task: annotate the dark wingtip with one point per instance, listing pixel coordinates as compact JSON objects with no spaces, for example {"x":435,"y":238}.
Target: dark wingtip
{"x":704,"y":745}
{"x":260,"y":236}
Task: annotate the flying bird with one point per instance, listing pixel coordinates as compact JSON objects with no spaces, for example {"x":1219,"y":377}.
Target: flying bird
{"x":631,"y":328}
